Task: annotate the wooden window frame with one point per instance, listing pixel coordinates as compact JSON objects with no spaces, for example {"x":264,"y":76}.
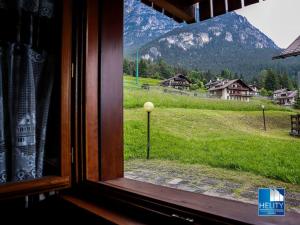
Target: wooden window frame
{"x":100,"y":184}
{"x":99,"y":77}
{"x":63,"y":180}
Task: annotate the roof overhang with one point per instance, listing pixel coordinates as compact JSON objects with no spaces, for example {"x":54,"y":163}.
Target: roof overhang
{"x":185,"y":10}
{"x":292,"y":50}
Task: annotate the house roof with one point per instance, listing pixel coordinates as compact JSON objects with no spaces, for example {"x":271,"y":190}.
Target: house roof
{"x":288,"y":94}
{"x":214,"y":82}
{"x":253,"y":86}
{"x":292,"y":50}
{"x":184,"y":10}
{"x":176,"y":76}
{"x":228,"y":83}
{"x":292,"y":94}
{"x":280,"y":91}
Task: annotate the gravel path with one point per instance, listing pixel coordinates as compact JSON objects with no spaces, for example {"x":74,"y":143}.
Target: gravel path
{"x":229,"y":184}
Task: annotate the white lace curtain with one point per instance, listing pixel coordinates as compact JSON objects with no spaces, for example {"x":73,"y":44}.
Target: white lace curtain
{"x":26,"y":80}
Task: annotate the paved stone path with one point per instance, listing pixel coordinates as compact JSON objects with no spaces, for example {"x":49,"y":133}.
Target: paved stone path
{"x":235,"y":185}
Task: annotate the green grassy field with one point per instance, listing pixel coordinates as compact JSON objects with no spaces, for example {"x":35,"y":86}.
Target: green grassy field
{"x":130,"y":82}
{"x":226,"y":134}
{"x":135,"y":97}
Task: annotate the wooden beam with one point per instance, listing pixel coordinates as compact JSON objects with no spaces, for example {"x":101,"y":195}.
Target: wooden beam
{"x":66,"y":65}
{"x":219,"y":7}
{"x":111,"y":89}
{"x":250,"y":2}
{"x":185,"y":10}
{"x":92,"y":90}
{"x":234,"y":5}
{"x":45,"y":184}
{"x":204,"y":10}
{"x":179,"y":10}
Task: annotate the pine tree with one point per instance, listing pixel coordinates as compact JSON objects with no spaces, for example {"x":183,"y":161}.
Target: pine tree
{"x":143,"y":68}
{"x":271,"y":81}
{"x":126,"y":67}
{"x":284,"y":81}
{"x":297,"y":103}
{"x":164,"y":69}
{"x":241,"y":77}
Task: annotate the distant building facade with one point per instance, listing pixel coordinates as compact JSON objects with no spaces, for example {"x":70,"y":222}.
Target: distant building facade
{"x":285,"y":97}
{"x":213,"y":83}
{"x":255,"y":90}
{"x":278,"y":93}
{"x":230,"y":90}
{"x":179,"y":81}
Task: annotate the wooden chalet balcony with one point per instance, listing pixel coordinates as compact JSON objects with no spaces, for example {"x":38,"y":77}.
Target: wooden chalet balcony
{"x":179,"y":84}
{"x":238,"y":88}
{"x":241,"y":95}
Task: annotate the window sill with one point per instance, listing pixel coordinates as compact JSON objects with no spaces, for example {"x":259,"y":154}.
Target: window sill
{"x":209,"y":208}
{"x":45,"y":184}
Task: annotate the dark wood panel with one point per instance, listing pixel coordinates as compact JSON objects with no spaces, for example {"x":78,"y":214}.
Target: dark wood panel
{"x":173,"y":17}
{"x":234,"y":5}
{"x":204,"y":10}
{"x":78,"y":82}
{"x":66,"y":64}
{"x":146,"y":2}
{"x":13,"y":190}
{"x":219,"y":7}
{"x":157,"y":8}
{"x":101,"y":211}
{"x":179,"y":10}
{"x":52,"y":210}
{"x":111,"y":89}
{"x":92,"y":91}
{"x":250,"y":2}
{"x":184,"y":10}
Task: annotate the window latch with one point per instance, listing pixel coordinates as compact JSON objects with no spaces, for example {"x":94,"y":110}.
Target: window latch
{"x":182,"y":218}
{"x":72,"y":155}
{"x":72,"y":70}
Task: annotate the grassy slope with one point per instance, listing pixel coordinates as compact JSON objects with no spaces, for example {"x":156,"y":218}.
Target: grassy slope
{"x":217,"y":133}
{"x":135,"y":97}
{"x":130,"y":81}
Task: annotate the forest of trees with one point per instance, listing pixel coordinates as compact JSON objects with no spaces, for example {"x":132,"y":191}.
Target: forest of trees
{"x":267,"y":80}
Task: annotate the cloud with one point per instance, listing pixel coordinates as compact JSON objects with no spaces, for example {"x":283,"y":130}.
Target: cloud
{"x":278,"y":19}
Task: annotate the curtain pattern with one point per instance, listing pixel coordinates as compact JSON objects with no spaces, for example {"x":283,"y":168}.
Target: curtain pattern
{"x":3,"y":147}
{"x":26,"y":80}
{"x":38,"y":7}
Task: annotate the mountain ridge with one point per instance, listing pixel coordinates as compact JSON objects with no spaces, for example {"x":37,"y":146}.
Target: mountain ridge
{"x":143,"y":24}
{"x":229,"y":42}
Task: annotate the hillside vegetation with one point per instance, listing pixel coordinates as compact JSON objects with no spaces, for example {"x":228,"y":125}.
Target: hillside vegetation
{"x":226,"y":134}
{"x":135,"y":97}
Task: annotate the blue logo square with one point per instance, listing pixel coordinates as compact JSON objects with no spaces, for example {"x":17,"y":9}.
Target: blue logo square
{"x":271,"y":201}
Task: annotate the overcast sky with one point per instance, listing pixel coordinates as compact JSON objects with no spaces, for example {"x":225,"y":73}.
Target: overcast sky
{"x":278,"y":19}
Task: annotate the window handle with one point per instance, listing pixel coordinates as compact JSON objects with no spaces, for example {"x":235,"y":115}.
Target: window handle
{"x":182,"y":218}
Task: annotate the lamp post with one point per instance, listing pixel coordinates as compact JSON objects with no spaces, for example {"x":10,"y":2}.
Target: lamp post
{"x":263,"y":109}
{"x":148,"y":106}
{"x":137,"y":68}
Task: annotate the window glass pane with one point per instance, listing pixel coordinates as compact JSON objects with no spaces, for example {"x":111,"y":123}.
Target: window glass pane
{"x":225,"y":119}
{"x":29,"y":89}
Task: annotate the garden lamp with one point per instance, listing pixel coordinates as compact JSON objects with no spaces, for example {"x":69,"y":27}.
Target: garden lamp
{"x":263,"y":109}
{"x":148,"y":106}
